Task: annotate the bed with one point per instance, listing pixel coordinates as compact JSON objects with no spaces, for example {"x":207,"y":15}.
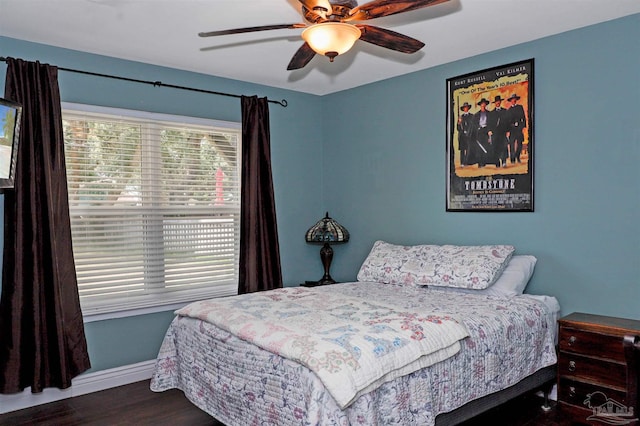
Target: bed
{"x":464,"y":348}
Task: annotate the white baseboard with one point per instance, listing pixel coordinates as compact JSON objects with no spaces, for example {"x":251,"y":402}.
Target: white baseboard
{"x":81,"y":385}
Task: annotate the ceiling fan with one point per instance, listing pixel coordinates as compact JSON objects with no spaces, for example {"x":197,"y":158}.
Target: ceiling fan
{"x":333,"y":29}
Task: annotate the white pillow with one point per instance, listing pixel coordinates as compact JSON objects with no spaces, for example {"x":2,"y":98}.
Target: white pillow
{"x":515,"y":276}
{"x":474,"y":267}
{"x":512,"y":281}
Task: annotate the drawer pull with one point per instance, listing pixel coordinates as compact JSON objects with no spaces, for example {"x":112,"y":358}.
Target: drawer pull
{"x":572,"y":340}
{"x":572,"y":366}
{"x":572,"y":391}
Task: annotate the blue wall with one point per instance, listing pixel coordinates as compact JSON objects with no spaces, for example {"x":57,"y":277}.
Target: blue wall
{"x":296,"y":146}
{"x":383,"y":169}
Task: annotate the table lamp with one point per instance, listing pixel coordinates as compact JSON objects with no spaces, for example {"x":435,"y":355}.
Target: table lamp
{"x":327,"y":231}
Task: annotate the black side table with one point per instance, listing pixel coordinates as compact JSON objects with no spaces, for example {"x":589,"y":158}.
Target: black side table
{"x":314,"y":284}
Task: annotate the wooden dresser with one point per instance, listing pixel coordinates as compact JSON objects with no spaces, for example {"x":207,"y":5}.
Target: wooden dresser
{"x":598,"y":366}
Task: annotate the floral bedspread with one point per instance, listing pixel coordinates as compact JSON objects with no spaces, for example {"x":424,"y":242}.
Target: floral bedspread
{"x":241,"y":384}
{"x":353,"y":344}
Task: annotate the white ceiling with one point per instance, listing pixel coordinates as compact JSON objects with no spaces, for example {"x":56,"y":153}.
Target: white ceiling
{"x":165,"y":33}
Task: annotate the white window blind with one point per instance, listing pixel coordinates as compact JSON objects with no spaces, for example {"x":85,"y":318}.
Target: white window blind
{"x":155,"y":207}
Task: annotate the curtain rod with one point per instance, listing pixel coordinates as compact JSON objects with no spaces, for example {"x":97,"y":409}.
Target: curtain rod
{"x":158,"y":84}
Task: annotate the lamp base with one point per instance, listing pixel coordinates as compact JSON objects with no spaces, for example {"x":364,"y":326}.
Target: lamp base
{"x":326,"y":280}
{"x":326,"y":255}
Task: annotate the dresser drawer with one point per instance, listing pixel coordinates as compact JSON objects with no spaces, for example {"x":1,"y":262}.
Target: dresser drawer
{"x":594,"y":344}
{"x":576,"y":393}
{"x":578,"y":415}
{"x":606,"y":373}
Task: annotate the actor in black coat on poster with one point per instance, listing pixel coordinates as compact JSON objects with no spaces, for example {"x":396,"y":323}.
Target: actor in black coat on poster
{"x":499,"y":129}
{"x":481,"y":149}
{"x":465,"y":133}
{"x":517,"y":122}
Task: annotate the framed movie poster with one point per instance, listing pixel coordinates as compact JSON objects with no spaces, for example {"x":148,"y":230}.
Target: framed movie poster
{"x":490,"y":144}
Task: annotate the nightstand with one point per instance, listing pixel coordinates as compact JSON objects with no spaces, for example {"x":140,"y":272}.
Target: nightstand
{"x":598,"y":368}
{"x":314,"y":284}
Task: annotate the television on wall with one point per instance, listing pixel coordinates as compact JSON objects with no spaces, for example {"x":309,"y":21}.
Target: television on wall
{"x":10,"y":115}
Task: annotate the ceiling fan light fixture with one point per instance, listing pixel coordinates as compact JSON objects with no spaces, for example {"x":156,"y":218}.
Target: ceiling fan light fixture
{"x":331,"y":38}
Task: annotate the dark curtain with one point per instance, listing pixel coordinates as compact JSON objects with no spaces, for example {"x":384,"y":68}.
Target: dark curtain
{"x":42,"y":340}
{"x":259,"y":249}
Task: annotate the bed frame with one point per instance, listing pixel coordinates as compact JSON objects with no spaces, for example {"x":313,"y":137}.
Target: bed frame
{"x":543,"y":379}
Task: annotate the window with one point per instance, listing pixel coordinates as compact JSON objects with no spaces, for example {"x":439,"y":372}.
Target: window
{"x":155,"y":207}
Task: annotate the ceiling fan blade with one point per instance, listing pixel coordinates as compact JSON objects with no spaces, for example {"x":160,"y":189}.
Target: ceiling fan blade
{"x":251,"y":29}
{"x":321,"y":7}
{"x":379,"y":8}
{"x":301,"y":57}
{"x":389,"y":39}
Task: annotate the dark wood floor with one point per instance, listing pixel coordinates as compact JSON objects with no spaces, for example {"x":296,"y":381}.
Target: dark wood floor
{"x":522,"y":411}
{"x":135,"y":404}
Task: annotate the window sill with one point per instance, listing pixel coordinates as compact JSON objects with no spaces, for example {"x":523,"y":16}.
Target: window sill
{"x":133,"y":312}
